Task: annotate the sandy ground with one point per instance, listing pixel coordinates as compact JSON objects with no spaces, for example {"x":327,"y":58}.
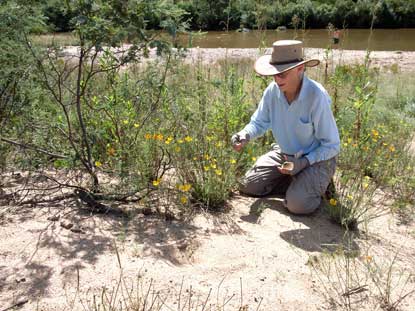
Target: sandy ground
{"x":385,"y":60}
{"x":256,"y":248}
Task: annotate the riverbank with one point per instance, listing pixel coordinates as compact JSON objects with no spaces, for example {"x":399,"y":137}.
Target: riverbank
{"x":385,"y":60}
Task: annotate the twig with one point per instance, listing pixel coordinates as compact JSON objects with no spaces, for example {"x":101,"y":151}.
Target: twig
{"x":27,"y":146}
{"x":58,"y":198}
{"x":17,"y":304}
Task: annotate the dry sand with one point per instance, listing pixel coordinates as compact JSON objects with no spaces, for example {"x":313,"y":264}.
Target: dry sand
{"x":267,"y":253}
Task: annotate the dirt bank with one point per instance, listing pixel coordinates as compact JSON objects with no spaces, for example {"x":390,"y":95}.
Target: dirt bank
{"x":385,"y":60}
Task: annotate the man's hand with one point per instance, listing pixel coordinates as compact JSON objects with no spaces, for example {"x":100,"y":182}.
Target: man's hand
{"x":239,"y":140}
{"x":299,"y":164}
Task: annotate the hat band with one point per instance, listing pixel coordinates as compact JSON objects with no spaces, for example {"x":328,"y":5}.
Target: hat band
{"x":287,"y":62}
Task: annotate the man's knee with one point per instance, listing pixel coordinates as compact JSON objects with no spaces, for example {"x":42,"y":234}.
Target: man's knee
{"x":253,"y":188}
{"x":302,"y":206}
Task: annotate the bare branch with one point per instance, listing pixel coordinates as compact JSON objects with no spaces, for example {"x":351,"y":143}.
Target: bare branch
{"x":27,"y":146}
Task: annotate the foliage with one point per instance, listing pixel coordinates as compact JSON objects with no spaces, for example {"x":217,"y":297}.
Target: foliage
{"x":231,"y":14}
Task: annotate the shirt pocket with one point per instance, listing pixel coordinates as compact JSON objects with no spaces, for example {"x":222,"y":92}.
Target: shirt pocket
{"x":304,"y":132}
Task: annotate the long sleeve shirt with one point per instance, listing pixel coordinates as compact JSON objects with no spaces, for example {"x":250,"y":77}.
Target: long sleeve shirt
{"x":306,"y":126}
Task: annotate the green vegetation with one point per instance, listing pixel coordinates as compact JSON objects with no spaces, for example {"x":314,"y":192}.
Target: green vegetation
{"x":232,"y":14}
{"x":104,"y":115}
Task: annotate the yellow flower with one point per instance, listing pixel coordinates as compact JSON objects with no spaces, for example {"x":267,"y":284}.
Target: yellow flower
{"x":392,"y":148}
{"x":178,"y":149}
{"x":375,"y":133}
{"x":365,"y":148}
{"x":158,"y":136}
{"x":349,"y":196}
{"x":180,"y":141}
{"x":333,"y":202}
{"x":385,"y":144}
{"x":207,"y":157}
{"x":368,"y":258}
{"x":188,"y":139}
{"x":111,"y":151}
{"x":253,"y":159}
{"x":209,"y":138}
{"x":194,"y":158}
{"x":148,"y":136}
{"x":349,"y":140}
{"x":232,"y":161}
{"x":206,"y":168}
{"x":167,"y":142}
{"x":213,"y":165}
{"x":218,"y":144}
{"x":183,"y":199}
{"x":156,"y":182}
{"x":354,"y":145}
{"x":365,"y":185}
{"x":185,"y":187}
{"x":98,"y":164}
{"x":345,"y":144}
{"x":136,"y":125}
{"x":218,"y":172}
{"x":125,"y":121}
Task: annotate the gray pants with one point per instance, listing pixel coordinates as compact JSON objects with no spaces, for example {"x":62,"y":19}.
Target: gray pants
{"x":303,"y":191}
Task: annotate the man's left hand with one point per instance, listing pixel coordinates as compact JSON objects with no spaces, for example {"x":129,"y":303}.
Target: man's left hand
{"x":299,"y":165}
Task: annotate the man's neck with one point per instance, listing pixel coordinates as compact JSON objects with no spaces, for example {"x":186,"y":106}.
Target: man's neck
{"x":291,"y":96}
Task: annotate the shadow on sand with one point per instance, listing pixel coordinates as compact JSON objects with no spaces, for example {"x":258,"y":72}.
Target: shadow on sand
{"x":321,"y":234}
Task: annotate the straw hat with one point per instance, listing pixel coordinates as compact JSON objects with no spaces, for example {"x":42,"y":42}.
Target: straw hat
{"x":286,"y":55}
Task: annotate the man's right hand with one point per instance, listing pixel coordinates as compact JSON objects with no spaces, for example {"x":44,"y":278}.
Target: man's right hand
{"x":239,"y":140}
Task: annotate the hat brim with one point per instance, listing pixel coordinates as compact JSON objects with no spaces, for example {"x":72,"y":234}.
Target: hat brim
{"x":264,"y":68}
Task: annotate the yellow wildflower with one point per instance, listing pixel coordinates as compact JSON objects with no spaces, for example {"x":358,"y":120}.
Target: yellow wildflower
{"x":253,"y":159}
{"x":209,"y":138}
{"x":98,"y":164}
{"x":185,"y":187}
{"x":333,"y":202}
{"x":365,"y":185}
{"x":375,"y":133}
{"x":180,"y":141}
{"x":349,"y":196}
{"x":156,"y":182}
{"x":125,"y":122}
{"x":183,"y":199}
{"x":354,"y":145}
{"x":368,"y":258}
{"x":207,"y":157}
{"x":111,"y":151}
{"x":232,"y":161}
{"x":158,"y":136}
{"x":188,"y":139}
{"x":349,"y":140}
{"x":218,"y":172}
{"x":206,"y":168}
{"x":213,"y":165}
{"x":148,"y":136}
{"x":345,"y":144}
{"x":136,"y":125}
{"x":218,"y":144}
{"x":178,"y":149}
{"x":392,"y":148}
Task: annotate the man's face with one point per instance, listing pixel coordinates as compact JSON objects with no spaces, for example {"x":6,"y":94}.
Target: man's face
{"x":290,"y":80}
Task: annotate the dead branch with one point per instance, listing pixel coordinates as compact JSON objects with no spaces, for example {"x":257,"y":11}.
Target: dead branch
{"x":27,"y":146}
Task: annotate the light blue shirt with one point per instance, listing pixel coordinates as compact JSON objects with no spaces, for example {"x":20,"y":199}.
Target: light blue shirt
{"x":306,"y":126}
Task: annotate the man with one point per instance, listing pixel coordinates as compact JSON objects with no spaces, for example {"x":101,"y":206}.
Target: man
{"x":297,"y":110}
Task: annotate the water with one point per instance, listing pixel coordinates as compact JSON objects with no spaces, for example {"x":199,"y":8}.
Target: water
{"x":350,"y":39}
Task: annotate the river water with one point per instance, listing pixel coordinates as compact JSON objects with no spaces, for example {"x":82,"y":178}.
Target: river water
{"x":350,"y":39}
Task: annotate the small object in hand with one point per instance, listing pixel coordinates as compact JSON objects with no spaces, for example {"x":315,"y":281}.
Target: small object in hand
{"x":289,"y":166}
